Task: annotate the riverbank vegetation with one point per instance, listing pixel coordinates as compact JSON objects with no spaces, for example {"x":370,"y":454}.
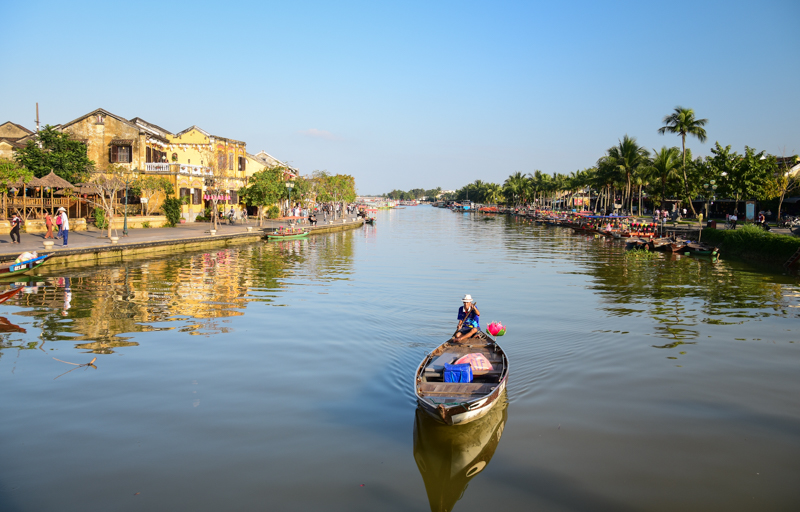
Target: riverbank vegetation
{"x":267,"y":188}
{"x":753,"y":243}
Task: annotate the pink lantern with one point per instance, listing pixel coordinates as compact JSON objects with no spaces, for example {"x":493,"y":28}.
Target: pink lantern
{"x":496,"y":329}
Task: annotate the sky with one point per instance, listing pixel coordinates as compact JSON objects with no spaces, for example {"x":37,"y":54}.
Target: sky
{"x":410,"y":94}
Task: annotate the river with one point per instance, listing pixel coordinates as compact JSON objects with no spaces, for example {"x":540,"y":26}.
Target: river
{"x":277,"y":376}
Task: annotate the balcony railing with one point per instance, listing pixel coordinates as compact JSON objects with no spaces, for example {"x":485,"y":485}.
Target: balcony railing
{"x":195,"y":170}
{"x":174,"y":168}
{"x":157,"y":168}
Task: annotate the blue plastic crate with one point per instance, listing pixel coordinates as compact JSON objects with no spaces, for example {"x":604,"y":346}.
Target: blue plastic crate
{"x":457,"y":373}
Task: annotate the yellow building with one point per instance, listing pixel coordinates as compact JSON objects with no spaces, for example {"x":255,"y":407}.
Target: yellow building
{"x":10,"y":137}
{"x":193,"y":159}
{"x":201,"y":157}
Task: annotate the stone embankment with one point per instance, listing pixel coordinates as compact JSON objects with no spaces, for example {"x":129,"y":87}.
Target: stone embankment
{"x":92,"y":245}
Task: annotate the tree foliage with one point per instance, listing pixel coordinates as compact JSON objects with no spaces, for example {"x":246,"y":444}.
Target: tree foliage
{"x":151,"y":188}
{"x":11,"y":172}
{"x":172,"y":210}
{"x":264,"y":189}
{"x":105,"y":186}
{"x":333,"y":188}
{"x":52,"y":150}
{"x":683,"y":123}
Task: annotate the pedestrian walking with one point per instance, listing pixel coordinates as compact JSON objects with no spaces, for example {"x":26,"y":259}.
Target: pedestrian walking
{"x":58,"y":222}
{"x":48,"y":222}
{"x":62,"y":214}
{"x":15,"y":224}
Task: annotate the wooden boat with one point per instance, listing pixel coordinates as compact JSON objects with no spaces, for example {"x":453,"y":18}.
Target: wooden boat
{"x":286,"y":235}
{"x":642,"y":244}
{"x":449,"y":457}
{"x":660,"y":244}
{"x":699,"y":249}
{"x":8,"y":270}
{"x":370,"y":220}
{"x":457,"y":403}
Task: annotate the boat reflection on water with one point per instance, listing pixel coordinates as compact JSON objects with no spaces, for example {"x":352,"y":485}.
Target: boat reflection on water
{"x":448,"y":457}
{"x":6,"y":326}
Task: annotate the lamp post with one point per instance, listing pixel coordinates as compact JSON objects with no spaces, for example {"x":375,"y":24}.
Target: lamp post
{"x":128,"y":181}
{"x":711,"y":186}
{"x":289,"y":187}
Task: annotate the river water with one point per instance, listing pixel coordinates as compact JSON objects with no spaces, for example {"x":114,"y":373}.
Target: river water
{"x":278,"y":376}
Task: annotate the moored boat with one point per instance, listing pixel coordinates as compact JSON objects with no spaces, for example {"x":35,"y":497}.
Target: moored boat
{"x":457,"y":403}
{"x":17,"y":268}
{"x":287,"y":234}
{"x":699,"y":249}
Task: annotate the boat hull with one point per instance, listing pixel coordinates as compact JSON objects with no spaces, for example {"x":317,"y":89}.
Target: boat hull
{"x":458,"y":408}
{"x":271,"y":236}
{"x":10,"y":270}
{"x":463,"y":414}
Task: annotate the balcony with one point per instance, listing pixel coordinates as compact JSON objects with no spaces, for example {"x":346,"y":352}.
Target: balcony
{"x":153,"y":168}
{"x":175,"y":168}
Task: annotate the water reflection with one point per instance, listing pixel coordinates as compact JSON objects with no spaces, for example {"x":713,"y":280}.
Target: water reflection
{"x":101,"y":308}
{"x":681,"y":295}
{"x":6,"y":326}
{"x":448,"y":457}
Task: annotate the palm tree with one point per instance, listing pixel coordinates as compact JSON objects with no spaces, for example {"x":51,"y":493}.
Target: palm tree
{"x":682,"y":122}
{"x":606,"y":176}
{"x":514,"y":187}
{"x":493,"y":193}
{"x":629,"y":157}
{"x":663,"y":167}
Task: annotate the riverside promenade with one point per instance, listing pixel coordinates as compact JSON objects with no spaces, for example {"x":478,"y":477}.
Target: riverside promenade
{"x":94,"y":244}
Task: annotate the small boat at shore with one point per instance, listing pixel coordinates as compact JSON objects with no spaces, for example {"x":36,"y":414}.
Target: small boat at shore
{"x":455,"y":403}
{"x":8,"y":270}
{"x":699,"y":249}
{"x":287,"y":234}
{"x":369,"y":220}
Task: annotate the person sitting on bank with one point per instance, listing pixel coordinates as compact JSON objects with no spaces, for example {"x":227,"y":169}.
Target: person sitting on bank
{"x":312,"y":219}
{"x":468,"y":319}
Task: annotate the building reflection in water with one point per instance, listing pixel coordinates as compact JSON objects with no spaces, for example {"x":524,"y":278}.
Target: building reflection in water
{"x":448,"y":457}
{"x":100,"y":308}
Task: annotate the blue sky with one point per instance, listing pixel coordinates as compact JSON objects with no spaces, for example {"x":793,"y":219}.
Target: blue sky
{"x":415,"y":94}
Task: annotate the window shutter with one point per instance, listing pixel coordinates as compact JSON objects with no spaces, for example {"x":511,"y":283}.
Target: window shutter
{"x":148,"y":155}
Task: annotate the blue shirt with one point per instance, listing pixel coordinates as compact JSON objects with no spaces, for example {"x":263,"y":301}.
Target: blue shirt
{"x":474,"y":319}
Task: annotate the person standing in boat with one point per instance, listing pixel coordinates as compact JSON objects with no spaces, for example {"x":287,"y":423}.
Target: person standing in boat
{"x":468,"y":319}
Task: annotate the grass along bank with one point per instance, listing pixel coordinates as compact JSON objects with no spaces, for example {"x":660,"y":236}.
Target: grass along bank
{"x":753,"y":243}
